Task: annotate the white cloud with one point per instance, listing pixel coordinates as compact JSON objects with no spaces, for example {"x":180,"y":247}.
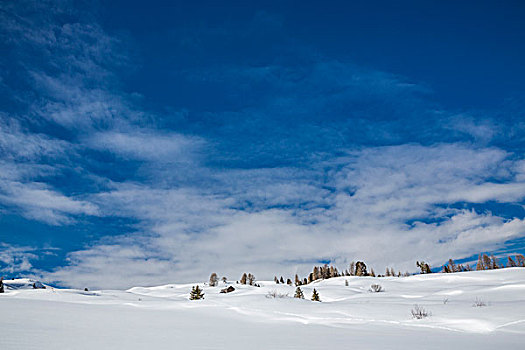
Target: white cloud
{"x":186,"y":234}
{"x":148,"y":145}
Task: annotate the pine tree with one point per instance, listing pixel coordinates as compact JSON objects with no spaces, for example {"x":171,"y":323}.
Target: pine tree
{"x":196,"y":293}
{"x":479,"y":265}
{"x":244,"y":278}
{"x":251,"y":279}
{"x":372,"y":273}
{"x":346,"y":283}
{"x":360,"y":269}
{"x":520,"y":260}
{"x":282,"y":280}
{"x":315,"y":296}
{"x":494,"y":262}
{"x":297,"y":280}
{"x":510,"y":262}
{"x":452,"y":266}
{"x":305,"y":281}
{"x":387,"y":272}
{"x":1,"y":285}
{"x":487,"y":263}
{"x":352,"y":269}
{"x":214,"y":280}
{"x":311,"y":277}
{"x":298,"y":293}
{"x":289,"y":282}
{"x":276,"y":280}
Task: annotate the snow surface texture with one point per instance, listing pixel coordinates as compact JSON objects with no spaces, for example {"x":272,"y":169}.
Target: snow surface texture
{"x":348,"y":316}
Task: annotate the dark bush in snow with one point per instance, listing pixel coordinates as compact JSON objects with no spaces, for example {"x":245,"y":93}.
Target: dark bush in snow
{"x":274,"y":294}
{"x":376,"y":288}
{"x":418,"y":312}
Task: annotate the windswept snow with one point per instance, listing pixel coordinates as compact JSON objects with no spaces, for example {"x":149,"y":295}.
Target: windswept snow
{"x":349,"y":316}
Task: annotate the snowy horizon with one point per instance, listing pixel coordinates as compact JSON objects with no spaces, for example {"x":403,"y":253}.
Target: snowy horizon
{"x":145,"y":144}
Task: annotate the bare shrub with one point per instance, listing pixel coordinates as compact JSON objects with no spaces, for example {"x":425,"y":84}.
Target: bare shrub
{"x":479,"y":303}
{"x":376,"y":288}
{"x":419,"y":312}
{"x":273,"y":294}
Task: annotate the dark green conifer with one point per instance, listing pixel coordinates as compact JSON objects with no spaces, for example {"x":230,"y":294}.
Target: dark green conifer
{"x":315,"y":296}
{"x":298,"y":293}
{"x":196,"y":293}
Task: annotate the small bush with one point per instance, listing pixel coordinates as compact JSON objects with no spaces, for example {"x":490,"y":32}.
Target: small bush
{"x":376,"y":288}
{"x":479,"y":303}
{"x":273,"y":294}
{"x":418,"y":312}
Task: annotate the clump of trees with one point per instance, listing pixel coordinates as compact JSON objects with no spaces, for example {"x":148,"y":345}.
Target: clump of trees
{"x":424,"y":267}
{"x":451,"y":267}
{"x":298,"y":293}
{"x":1,"y":285}
{"x":196,"y":293}
{"x":248,"y":279}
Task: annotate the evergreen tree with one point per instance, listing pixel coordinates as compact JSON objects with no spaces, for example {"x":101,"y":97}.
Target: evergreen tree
{"x":1,"y":285}
{"x":494,"y":262}
{"x":360,"y":269}
{"x":305,"y":281}
{"x":251,"y":279}
{"x":479,"y":265}
{"x":298,"y":293}
{"x":387,"y":272}
{"x":352,"y":269}
{"x":224,"y":279}
{"x":297,"y":280}
{"x":452,"y":266}
{"x":282,"y":280}
{"x":276,"y":280}
{"x":214,"y":280}
{"x":510,"y":262}
{"x":315,"y":296}
{"x":311,"y":277}
{"x":244,"y":278}
{"x":196,"y":293}
{"x":346,"y":283}
{"x":520,"y":260}
{"x":487,"y":263}
{"x":372,"y":273}
{"x":289,"y":282}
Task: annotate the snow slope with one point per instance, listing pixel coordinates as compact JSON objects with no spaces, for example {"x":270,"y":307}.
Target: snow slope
{"x":348,"y":316}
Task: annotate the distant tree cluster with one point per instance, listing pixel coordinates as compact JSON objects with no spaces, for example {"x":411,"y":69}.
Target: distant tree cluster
{"x":1,"y":285}
{"x":491,"y":263}
{"x":451,"y":267}
{"x":424,"y":267}
{"x":248,"y":279}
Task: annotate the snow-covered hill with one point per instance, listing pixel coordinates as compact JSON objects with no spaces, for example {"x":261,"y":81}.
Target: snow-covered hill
{"x":348,"y":316}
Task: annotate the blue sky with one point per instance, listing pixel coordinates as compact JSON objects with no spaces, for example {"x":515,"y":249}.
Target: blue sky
{"x":145,"y":143}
